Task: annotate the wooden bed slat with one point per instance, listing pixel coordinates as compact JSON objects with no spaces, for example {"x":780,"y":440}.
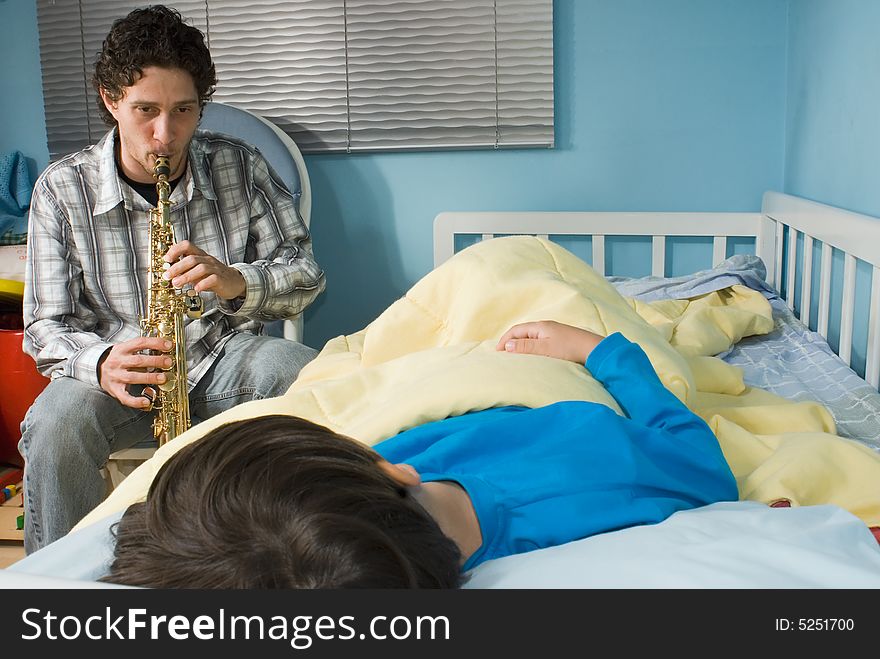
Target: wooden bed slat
{"x":777,"y":259}
{"x":765,"y":247}
{"x":824,"y":290}
{"x":599,"y":253}
{"x":872,"y":364}
{"x":807,"y":280}
{"x":847,"y":308}
{"x":719,"y":249}
{"x":791,"y":268}
{"x":658,"y":256}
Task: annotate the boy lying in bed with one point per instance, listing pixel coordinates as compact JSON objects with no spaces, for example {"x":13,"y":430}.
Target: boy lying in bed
{"x":280,"y":502}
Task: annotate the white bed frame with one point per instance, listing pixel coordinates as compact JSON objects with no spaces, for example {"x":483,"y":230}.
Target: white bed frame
{"x":856,"y":235}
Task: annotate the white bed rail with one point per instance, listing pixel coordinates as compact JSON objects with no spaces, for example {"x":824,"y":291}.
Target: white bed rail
{"x":857,"y":237}
{"x":719,"y":226}
{"x":782,"y":217}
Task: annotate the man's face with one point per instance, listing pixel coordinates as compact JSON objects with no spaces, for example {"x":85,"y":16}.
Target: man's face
{"x":157,"y":115}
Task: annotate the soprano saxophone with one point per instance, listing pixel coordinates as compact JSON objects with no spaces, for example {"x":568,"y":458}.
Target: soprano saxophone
{"x":166,"y":307}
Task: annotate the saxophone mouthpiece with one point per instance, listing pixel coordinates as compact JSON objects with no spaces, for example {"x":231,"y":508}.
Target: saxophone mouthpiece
{"x":162,"y":166}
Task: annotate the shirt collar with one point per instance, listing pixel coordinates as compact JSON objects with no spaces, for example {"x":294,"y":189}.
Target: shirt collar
{"x":109,"y":190}
{"x":198,"y":167}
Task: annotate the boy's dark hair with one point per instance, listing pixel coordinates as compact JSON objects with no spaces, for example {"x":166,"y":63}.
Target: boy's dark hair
{"x":280,"y":502}
{"x":151,"y":36}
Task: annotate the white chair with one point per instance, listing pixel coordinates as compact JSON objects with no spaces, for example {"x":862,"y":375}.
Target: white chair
{"x":281,"y":152}
{"x":287,"y":161}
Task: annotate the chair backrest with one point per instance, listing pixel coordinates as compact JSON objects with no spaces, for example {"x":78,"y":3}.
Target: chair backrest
{"x":281,"y":152}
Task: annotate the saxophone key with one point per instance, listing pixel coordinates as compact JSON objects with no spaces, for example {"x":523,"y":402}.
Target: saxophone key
{"x":194,"y":303}
{"x":170,"y":383}
{"x":143,"y":391}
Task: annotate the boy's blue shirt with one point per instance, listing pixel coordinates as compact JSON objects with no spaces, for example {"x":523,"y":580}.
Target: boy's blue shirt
{"x":546,"y":476}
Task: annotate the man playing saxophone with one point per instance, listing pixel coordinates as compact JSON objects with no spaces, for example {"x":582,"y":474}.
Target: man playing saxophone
{"x":239,"y":243}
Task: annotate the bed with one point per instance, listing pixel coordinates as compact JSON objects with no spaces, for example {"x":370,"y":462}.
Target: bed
{"x":743,"y":544}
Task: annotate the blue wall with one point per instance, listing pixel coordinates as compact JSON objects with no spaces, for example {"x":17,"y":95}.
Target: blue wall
{"x":832,"y":131}
{"x":22,"y":119}
{"x":833,"y":114}
{"x":672,"y":105}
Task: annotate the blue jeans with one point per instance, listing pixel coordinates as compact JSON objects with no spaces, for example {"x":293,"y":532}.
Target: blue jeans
{"x":72,"y":427}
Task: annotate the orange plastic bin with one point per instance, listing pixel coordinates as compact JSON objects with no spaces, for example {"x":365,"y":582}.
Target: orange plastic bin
{"x":20,"y":384}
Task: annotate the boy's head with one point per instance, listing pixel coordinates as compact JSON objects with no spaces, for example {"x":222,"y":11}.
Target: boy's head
{"x":280,"y":502}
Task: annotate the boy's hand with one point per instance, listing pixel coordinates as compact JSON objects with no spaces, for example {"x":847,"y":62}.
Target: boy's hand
{"x":551,"y":339}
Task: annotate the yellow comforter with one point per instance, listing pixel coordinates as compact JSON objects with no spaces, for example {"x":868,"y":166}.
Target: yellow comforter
{"x":432,"y":354}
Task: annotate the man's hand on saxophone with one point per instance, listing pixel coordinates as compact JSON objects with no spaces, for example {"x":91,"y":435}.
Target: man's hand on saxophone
{"x":125,"y":364}
{"x":191,"y":265}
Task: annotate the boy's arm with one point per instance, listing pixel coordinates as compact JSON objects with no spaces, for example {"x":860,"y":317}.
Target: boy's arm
{"x":625,"y":371}
{"x":621,"y":366}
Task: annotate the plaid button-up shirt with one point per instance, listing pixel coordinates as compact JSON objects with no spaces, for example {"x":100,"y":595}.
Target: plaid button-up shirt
{"x":88,"y":250}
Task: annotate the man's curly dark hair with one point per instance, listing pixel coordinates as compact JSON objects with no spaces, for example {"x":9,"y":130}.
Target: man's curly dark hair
{"x":151,"y":36}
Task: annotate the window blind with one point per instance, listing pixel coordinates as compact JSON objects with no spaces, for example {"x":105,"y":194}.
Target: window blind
{"x":338,"y":75}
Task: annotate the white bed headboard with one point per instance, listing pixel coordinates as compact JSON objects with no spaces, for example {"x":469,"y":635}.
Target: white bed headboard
{"x":718,"y":226}
{"x":783,"y":220}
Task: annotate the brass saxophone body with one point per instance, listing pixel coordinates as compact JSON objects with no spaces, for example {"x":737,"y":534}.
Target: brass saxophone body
{"x":166,"y":307}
